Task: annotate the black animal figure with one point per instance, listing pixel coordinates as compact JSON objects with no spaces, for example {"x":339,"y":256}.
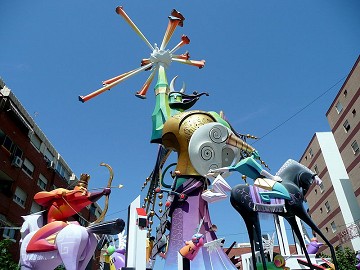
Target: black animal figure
{"x":297,"y":180}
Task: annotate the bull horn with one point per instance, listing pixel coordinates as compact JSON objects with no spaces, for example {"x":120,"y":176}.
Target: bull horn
{"x":172,"y":88}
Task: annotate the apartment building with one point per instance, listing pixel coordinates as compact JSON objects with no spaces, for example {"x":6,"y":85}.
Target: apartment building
{"x":343,"y":117}
{"x":29,"y":163}
{"x":335,"y":157}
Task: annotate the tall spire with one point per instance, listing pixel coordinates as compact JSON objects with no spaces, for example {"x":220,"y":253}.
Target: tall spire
{"x":159,"y":60}
{"x":161,"y":110}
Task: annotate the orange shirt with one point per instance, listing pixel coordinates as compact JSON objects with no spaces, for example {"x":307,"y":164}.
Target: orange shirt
{"x":62,"y":203}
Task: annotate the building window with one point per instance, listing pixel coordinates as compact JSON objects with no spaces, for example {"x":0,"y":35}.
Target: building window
{"x":316,"y":170}
{"x":327,"y":229}
{"x":98,"y":213}
{"x":92,"y":209}
{"x":42,"y":182}
{"x":5,"y":187}
{"x":338,"y":107}
{"x":346,"y":126}
{"x":333,"y":226}
{"x":355,"y":147}
{"x":20,"y":197}
{"x":35,"y":141}
{"x":2,"y":137}
{"x":328,"y":208}
{"x":82,"y":221}
{"x":9,"y":233}
{"x":321,"y":210}
{"x":35,"y":208}
{"x":311,"y":153}
{"x":345,"y":93}
{"x":28,"y":167}
{"x":322,"y":188}
{"x":63,"y":172}
{"x":353,"y":112}
{"x":8,"y":144}
{"x":17,"y":152}
{"x":48,"y":156}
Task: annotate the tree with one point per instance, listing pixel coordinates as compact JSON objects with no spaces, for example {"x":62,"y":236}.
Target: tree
{"x":6,"y":260}
{"x":345,"y":257}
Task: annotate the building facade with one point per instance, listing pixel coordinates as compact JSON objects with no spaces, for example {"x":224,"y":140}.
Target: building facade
{"x":343,"y":117}
{"x":29,"y":163}
{"x":334,"y":156}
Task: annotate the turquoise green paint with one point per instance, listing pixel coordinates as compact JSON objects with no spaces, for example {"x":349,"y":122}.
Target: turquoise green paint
{"x":159,"y":116}
{"x":177,"y":98}
{"x":161,"y":110}
{"x":219,"y":119}
{"x":181,"y":180}
{"x":249,"y":167}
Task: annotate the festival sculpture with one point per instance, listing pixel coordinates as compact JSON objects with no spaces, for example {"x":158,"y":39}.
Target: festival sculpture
{"x":172,"y":129}
{"x":60,"y":241}
{"x":314,"y":246}
{"x":115,"y":253}
{"x":206,"y":146}
{"x":249,"y":200}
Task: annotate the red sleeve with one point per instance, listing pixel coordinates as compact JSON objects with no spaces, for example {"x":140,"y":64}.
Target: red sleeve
{"x":44,"y":198}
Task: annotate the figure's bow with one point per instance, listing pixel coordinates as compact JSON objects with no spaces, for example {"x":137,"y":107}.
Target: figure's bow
{"x":103,"y":213}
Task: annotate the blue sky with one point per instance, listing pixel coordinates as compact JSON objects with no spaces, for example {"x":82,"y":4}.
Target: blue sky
{"x":265,"y":62}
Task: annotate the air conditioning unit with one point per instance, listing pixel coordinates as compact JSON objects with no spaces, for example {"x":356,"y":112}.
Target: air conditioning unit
{"x":17,"y":162}
{"x":50,"y":164}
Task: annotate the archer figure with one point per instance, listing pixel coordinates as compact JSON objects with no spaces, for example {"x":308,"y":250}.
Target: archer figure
{"x":61,"y":204}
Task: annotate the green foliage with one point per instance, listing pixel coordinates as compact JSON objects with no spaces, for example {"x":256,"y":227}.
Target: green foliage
{"x":322,"y":255}
{"x":345,"y":257}
{"x":60,"y":267}
{"x":6,"y":260}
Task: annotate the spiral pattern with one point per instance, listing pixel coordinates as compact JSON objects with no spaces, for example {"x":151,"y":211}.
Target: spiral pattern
{"x":213,"y":167}
{"x":207,"y":153}
{"x":218,"y":134}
